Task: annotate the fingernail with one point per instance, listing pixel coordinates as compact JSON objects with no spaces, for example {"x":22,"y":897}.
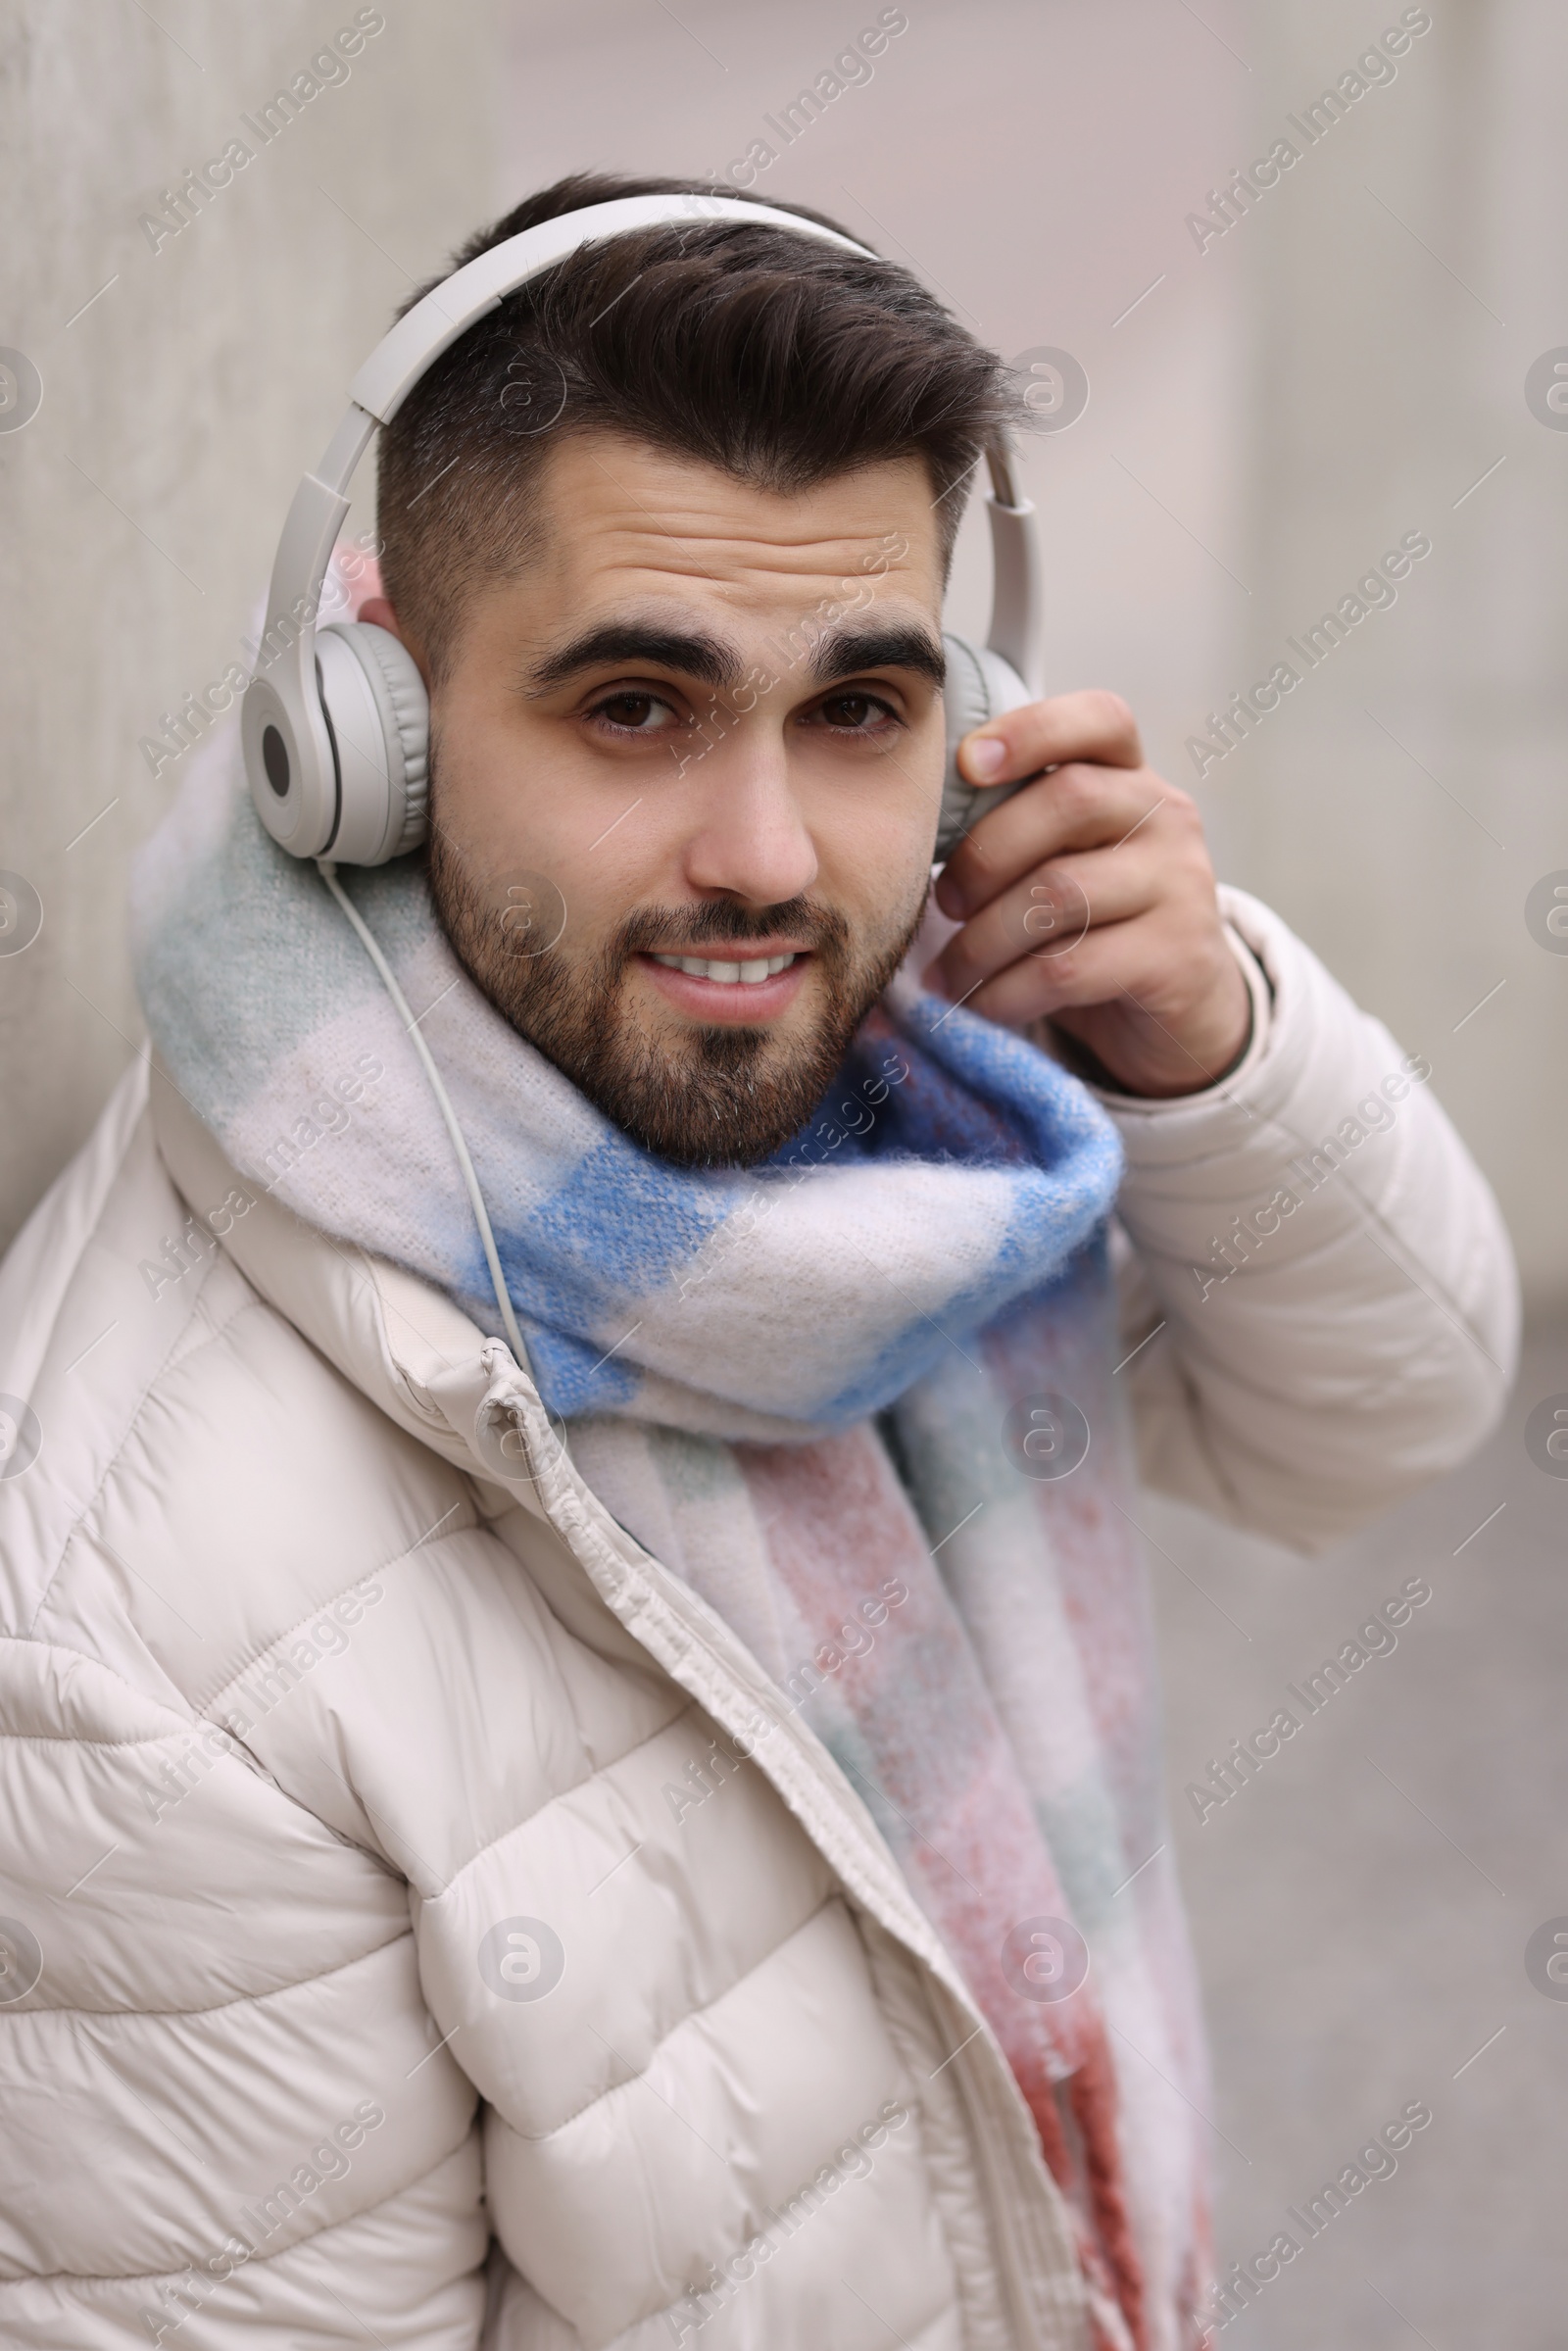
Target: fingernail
{"x":985,"y":756}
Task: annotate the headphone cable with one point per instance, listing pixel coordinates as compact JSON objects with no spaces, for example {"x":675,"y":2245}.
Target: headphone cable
{"x":329,"y":873}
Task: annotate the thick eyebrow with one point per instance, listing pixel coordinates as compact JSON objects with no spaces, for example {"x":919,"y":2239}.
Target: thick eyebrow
{"x":692,"y":651}
{"x":879,"y":645}
{"x":708,"y":659}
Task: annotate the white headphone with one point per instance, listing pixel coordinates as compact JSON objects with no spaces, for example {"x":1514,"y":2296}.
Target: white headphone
{"x":335,"y":721}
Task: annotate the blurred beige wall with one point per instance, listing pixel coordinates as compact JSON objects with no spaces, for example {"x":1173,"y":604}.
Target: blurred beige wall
{"x":1401,"y":806}
{"x":142,"y":503}
{"x":1267,"y":414}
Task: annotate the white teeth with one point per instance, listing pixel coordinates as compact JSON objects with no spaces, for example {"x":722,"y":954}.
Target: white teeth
{"x":762,"y":967}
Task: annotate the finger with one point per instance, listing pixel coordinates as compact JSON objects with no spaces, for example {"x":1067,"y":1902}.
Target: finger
{"x":1116,"y":960}
{"x":1077,"y":807}
{"x":1045,"y":913}
{"x":1093,"y":725}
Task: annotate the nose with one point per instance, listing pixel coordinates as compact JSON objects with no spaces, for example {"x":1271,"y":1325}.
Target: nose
{"x":748,"y":837}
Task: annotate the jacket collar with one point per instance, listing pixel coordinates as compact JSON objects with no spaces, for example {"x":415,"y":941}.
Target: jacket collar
{"x":402,"y":1343}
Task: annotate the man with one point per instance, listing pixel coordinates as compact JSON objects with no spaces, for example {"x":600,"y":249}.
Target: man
{"x":660,"y":1843}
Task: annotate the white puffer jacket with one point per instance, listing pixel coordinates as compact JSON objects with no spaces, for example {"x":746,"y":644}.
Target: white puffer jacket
{"x":295,"y":2017}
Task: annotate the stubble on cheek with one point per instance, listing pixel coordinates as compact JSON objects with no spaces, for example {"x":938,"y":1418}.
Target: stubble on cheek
{"x":721,"y":1096}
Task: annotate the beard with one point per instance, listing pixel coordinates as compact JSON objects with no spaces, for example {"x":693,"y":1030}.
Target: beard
{"x":717,"y":1097}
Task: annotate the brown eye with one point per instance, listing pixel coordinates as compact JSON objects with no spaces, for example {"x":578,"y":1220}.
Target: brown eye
{"x":853,"y":711}
{"x":628,"y":710}
{"x":635,"y":710}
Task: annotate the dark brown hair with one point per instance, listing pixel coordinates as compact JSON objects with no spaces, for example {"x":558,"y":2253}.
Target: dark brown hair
{"x":783,"y":361}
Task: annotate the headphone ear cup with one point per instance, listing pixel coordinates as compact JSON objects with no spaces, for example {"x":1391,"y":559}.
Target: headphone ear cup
{"x":378,"y":717}
{"x":980,"y":685}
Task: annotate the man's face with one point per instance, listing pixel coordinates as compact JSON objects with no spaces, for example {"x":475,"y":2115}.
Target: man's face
{"x":686,"y":772}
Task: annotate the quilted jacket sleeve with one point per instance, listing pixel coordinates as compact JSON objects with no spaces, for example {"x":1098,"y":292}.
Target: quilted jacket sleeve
{"x":1320,"y":1289}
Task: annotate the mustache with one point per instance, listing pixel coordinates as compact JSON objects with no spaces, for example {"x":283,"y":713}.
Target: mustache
{"x":660,"y":930}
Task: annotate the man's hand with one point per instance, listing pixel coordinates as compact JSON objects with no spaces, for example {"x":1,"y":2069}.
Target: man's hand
{"x":1089,"y":897}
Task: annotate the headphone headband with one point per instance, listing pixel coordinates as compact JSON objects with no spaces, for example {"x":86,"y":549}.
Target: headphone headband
{"x":419,"y":339}
{"x":291,"y":752}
